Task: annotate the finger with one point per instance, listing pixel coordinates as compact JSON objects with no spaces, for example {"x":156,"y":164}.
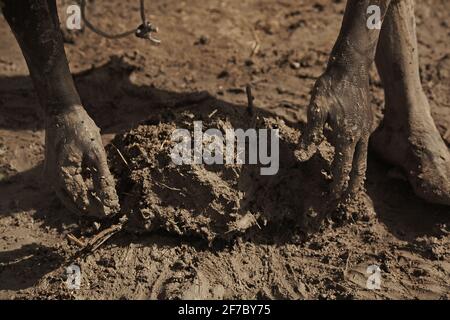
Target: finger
{"x":359,"y":167}
{"x":313,"y":134}
{"x":72,"y":190}
{"x":104,"y":194}
{"x":341,"y":167}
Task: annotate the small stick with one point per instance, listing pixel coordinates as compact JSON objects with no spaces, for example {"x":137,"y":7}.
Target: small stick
{"x":168,"y":187}
{"x":250,"y":99}
{"x":256,"y":221}
{"x":162,"y":145}
{"x":75,"y":240}
{"x":212,"y":113}
{"x":95,"y":242}
{"x":121,"y":156}
{"x":346,"y":264}
{"x":256,"y":42}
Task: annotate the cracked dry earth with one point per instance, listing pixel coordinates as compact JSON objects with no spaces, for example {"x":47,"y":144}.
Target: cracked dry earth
{"x":216,"y":232}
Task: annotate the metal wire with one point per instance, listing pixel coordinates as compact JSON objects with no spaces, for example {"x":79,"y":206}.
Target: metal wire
{"x":146,"y":26}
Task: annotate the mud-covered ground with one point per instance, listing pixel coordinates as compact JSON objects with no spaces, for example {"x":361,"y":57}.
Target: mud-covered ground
{"x":216,"y":232}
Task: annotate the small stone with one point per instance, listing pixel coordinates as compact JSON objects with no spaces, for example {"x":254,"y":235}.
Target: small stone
{"x":295,"y":65}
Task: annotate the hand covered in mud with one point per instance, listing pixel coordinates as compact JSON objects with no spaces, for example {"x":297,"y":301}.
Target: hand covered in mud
{"x":76,"y":164}
{"x":340,"y":101}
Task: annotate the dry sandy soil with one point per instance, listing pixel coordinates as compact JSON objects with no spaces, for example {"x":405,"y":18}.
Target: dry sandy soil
{"x":207,"y":46}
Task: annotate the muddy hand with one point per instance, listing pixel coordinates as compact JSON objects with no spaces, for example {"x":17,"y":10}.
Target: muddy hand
{"x":76,"y":164}
{"x":341,"y":102}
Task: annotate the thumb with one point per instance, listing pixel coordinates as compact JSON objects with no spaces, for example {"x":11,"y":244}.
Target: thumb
{"x":313,"y":134}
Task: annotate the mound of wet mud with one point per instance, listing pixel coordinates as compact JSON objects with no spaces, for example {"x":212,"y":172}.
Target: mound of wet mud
{"x":216,"y":201}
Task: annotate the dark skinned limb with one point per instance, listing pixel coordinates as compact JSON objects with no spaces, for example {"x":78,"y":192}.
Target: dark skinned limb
{"x":340,"y":99}
{"x":408,"y":137}
{"x":75,"y":163}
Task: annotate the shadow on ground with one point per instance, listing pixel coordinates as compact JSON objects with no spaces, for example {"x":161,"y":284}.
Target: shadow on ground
{"x":24,"y":267}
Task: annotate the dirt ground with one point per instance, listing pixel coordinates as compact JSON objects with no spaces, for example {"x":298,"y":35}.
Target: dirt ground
{"x":210,"y":46}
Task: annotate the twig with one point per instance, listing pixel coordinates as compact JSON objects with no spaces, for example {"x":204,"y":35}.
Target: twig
{"x":168,"y":187}
{"x":122,"y":157}
{"x":212,"y":113}
{"x":95,"y":242}
{"x":346,"y":263}
{"x":256,"y":222}
{"x":250,"y":99}
{"x":75,"y":240}
{"x":256,"y":40}
{"x":162,"y":145}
